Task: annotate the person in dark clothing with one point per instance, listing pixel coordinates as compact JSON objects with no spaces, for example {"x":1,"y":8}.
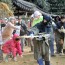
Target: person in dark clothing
{"x":56,"y":20}
{"x":60,"y":25}
{"x":23,"y":31}
{"x":41,"y":47}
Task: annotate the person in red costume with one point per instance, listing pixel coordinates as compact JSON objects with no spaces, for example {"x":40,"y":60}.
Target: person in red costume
{"x":12,"y":46}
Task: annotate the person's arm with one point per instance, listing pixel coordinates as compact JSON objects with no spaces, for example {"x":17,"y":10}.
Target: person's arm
{"x":12,"y":26}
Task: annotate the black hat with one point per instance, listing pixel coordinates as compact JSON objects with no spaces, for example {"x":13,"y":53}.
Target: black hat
{"x":46,"y":17}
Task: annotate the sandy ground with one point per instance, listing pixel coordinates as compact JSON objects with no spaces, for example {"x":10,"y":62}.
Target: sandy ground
{"x":28,"y":59}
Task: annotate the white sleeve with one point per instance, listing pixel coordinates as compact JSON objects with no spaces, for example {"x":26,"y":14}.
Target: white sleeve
{"x":53,"y":23}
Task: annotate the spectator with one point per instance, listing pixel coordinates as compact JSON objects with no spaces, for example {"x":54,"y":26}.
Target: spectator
{"x":23,"y":31}
{"x":8,"y":30}
{"x":60,"y":38}
{"x":57,"y":19}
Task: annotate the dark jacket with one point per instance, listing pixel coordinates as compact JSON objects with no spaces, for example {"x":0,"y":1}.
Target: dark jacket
{"x":44,"y":27}
{"x":23,"y":30}
{"x":59,"y":26}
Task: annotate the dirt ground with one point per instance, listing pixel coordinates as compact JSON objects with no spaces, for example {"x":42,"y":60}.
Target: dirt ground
{"x":28,"y":59}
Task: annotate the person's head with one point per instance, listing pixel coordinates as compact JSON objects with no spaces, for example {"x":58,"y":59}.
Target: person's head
{"x":19,"y":19}
{"x":46,"y":19}
{"x":16,"y":38}
{"x":62,"y":19}
{"x":12,"y":20}
{"x":5,"y":20}
{"x":37,"y":14}
{"x":57,"y":18}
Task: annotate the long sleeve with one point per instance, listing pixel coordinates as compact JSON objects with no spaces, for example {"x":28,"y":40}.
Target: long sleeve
{"x":12,"y":26}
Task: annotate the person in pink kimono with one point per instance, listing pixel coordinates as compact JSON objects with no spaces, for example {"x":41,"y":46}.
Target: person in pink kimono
{"x":12,"y":46}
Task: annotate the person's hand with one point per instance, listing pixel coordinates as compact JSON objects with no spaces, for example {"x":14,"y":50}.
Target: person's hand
{"x":21,"y":56}
{"x":40,"y":36}
{"x":60,"y":30}
{"x":63,"y":30}
{"x":31,"y":36}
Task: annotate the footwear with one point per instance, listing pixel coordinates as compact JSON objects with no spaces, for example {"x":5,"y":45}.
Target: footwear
{"x":56,"y":52}
{"x":6,"y":59}
{"x":1,"y":55}
{"x":15,"y":59}
{"x":61,"y":54}
{"x":47,"y":63}
{"x":64,"y":51}
{"x":53,"y":55}
{"x":40,"y":61}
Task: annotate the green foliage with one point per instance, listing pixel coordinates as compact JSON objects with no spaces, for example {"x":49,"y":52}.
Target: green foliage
{"x":57,"y":6}
{"x":43,"y":4}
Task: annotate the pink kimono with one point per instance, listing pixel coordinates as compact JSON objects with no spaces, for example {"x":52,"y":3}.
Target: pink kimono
{"x":12,"y":46}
